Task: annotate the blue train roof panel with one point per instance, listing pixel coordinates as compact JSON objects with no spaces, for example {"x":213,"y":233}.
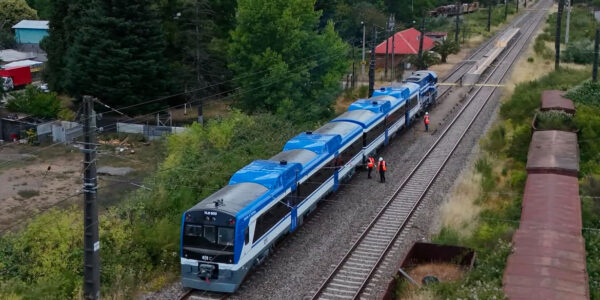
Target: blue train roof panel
{"x":345,"y":130}
{"x":398,"y":92}
{"x":235,"y":197}
{"x":379,"y":105}
{"x":412,"y":87}
{"x":300,"y":156}
{"x":318,"y":143}
{"x":422,"y":77}
{"x":271,"y":174}
{"x":364,"y":118}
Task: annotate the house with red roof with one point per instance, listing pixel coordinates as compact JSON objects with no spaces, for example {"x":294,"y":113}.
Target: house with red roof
{"x":406,"y":44}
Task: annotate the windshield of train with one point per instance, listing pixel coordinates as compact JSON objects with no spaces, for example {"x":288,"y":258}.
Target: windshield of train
{"x":208,"y":237}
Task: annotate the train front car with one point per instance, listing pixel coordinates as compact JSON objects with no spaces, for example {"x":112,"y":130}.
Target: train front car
{"x":427,"y":81}
{"x":224,"y":235}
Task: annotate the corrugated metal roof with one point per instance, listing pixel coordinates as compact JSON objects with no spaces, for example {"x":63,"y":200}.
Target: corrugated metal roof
{"x":32,"y":24}
{"x":553,"y":151}
{"x":10,"y":55}
{"x":406,"y":42}
{"x":555,"y":100}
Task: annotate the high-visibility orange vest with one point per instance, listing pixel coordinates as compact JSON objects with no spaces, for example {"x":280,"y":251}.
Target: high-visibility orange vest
{"x":371,"y":162}
{"x":427,"y":120}
{"x":381,"y":166}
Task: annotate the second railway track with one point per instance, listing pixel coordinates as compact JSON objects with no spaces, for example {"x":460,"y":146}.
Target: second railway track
{"x":355,"y":275}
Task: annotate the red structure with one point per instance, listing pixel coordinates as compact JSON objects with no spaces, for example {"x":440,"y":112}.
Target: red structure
{"x":555,"y":100}
{"x":406,"y":43}
{"x":20,"y":75}
{"x":553,"y":151}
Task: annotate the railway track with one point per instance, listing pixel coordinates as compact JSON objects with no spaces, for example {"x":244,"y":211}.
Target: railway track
{"x":201,"y":295}
{"x":356,"y":275}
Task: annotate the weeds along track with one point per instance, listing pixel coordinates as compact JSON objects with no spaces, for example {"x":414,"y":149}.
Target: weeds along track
{"x":358,"y":274}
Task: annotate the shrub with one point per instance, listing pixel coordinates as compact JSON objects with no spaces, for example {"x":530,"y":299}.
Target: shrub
{"x":495,"y":140}
{"x":587,"y":93}
{"x":587,"y":120}
{"x":579,"y":52}
{"x":26,"y":194}
{"x":34,"y":102}
{"x":519,"y":143}
{"x":555,"y":120}
{"x":541,"y":49}
{"x":530,"y":59}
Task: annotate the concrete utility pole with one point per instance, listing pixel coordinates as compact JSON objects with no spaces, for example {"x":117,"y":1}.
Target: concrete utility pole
{"x":595,"y":69}
{"x":393,"y":53}
{"x":505,"y":9}
{"x":387,"y":47}
{"x":353,"y":83}
{"x":569,"y":6}
{"x":362,"y":63}
{"x":459,"y":10}
{"x":91,"y":243}
{"x":517,"y":6}
{"x":421,"y":63}
{"x":372,"y":65}
{"x":489,"y":23}
{"x":561,"y":4}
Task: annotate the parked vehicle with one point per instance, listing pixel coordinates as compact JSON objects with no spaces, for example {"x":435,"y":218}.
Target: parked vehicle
{"x":234,"y":229}
{"x":15,"y":77}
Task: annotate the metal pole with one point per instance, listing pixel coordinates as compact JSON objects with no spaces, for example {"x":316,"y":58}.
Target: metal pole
{"x":362,"y":63}
{"x":557,"y":39}
{"x":569,"y":4}
{"x":393,"y":55}
{"x":489,"y":23}
{"x":421,"y":64}
{"x":595,"y":69}
{"x":524,"y":3}
{"x":387,"y":47}
{"x":457,"y":21}
{"x":517,"y":6}
{"x":353,"y":82}
{"x":505,"y":9}
{"x":372,"y":65}
{"x":91,"y":243}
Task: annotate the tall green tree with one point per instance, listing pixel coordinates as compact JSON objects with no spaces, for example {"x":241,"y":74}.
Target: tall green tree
{"x":13,"y":11}
{"x":64,"y":17}
{"x":282,"y":62}
{"x":43,"y":7}
{"x":117,"y":54}
{"x":445,"y":48}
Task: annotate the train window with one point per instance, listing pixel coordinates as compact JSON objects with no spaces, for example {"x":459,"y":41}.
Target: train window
{"x":209,"y":233}
{"x":193,"y":230}
{"x":375,"y":132}
{"x":225,"y":236}
{"x":246,"y":235}
{"x":268,"y":219}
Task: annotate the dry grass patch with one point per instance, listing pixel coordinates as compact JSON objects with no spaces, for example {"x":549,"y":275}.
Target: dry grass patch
{"x":459,"y":212}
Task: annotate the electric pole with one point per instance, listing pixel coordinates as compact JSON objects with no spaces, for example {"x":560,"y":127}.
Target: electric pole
{"x":372,"y":64}
{"x":459,"y":9}
{"x":561,"y":4}
{"x":505,"y":9}
{"x":517,"y":6}
{"x":595,"y":69}
{"x":353,"y":82}
{"x":363,"y":62}
{"x":421,"y":64}
{"x":568,"y":22}
{"x":91,"y":243}
{"x":489,"y":23}
{"x":393,"y":53}
{"x":387,"y":47}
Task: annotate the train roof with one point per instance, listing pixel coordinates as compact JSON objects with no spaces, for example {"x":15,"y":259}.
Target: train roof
{"x":315,"y":142}
{"x":422,"y":77}
{"x":362,"y":117}
{"x":555,"y":100}
{"x":346,"y":130}
{"x":234,"y":198}
{"x":381,"y":104}
{"x":398,"y":92}
{"x":412,"y":87}
{"x":270,"y":174}
{"x":300,"y":156}
{"x":553,"y":151}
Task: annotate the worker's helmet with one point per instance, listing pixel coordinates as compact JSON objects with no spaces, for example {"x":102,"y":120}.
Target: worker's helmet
{"x":426,"y":113}
{"x":381,"y":158}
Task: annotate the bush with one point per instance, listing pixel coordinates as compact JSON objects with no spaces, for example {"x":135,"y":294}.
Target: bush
{"x":495,"y":141}
{"x":34,"y":102}
{"x":587,"y":120}
{"x":587,"y":93}
{"x":26,"y":194}
{"x":541,"y":49}
{"x":579,"y":52}
{"x":555,"y":120}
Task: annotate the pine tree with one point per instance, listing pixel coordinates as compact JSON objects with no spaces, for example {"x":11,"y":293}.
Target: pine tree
{"x":117,"y":54}
{"x":283,"y":63}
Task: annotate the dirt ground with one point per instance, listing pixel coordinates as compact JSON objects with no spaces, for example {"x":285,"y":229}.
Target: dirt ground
{"x":32,"y":181}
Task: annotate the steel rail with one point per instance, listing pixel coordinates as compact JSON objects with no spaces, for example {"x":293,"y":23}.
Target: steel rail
{"x":535,"y":23}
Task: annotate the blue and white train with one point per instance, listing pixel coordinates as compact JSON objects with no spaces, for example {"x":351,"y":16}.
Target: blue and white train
{"x":226,"y":234}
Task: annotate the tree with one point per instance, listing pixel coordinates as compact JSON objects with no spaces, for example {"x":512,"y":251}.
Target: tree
{"x":117,"y":54}
{"x":445,"y":48}
{"x":13,"y":11}
{"x":43,"y":7}
{"x":65,"y":16}
{"x":283,"y":63}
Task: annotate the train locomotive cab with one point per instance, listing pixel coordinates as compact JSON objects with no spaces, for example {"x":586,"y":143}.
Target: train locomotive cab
{"x":211,"y":239}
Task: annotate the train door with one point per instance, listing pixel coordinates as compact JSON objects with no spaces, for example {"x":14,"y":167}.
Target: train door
{"x":294,"y":214}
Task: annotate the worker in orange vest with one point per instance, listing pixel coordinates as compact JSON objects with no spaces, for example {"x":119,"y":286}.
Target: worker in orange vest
{"x":381,"y":168}
{"x":370,"y":165}
{"x":426,"y":120}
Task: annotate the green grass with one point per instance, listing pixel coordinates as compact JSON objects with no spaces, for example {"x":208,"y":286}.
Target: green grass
{"x":555,"y":120}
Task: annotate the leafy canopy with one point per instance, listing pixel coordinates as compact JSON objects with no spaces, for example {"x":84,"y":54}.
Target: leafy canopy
{"x":282,"y":63}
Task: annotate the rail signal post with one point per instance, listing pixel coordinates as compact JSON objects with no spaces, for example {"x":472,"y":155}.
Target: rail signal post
{"x":91,"y":243}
